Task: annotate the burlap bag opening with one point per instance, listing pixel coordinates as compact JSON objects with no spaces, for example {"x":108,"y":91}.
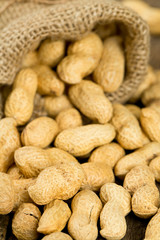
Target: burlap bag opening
{"x":23,"y":24}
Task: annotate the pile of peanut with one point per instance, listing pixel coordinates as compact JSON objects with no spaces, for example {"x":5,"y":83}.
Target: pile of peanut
{"x":76,"y":148}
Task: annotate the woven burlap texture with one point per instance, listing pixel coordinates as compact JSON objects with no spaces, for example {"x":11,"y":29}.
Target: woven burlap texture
{"x":24,"y":24}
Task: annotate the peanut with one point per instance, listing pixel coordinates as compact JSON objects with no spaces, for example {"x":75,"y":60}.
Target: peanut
{"x":51,"y":52}
{"x":54,"y":105}
{"x":155,"y":105}
{"x":7,"y":194}
{"x":89,"y":98}
{"x":86,"y":207}
{"x":141,"y":156}
{"x":69,"y":118}
{"x":30,"y":59}
{"x":54,"y":218}
{"x":32,"y":160}
{"x":108,"y":154}
{"x":117,"y":205}
{"x":81,"y":140}
{"x":14,"y":172}
{"x":151,"y":94}
{"x":152,"y":230}
{"x":57,"y":182}
{"x":135,"y":110}
{"x":155,"y":167}
{"x":83,"y":57}
{"x":57,"y":236}
{"x":40,"y":132}
{"x":129,"y":133}
{"x":25,"y":222}
{"x":48,"y":81}
{"x":150,"y":121}
{"x":19,"y":103}
{"x":9,"y":142}
{"x":96,"y":174}
{"x":110,"y":71}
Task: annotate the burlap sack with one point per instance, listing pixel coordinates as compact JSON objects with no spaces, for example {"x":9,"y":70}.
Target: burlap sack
{"x":24,"y":23}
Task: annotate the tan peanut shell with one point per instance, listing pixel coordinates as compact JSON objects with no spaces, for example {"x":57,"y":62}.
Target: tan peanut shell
{"x":108,"y":154}
{"x":145,"y":201}
{"x":137,"y":177}
{"x":9,"y":142}
{"x":110,"y":71}
{"x":32,"y":160}
{"x":89,"y":98}
{"x":14,"y":172}
{"x":155,"y":105}
{"x":86,"y":207}
{"x":150,"y":121}
{"x":54,"y":105}
{"x":21,"y":191}
{"x":30,"y":59}
{"x":83,"y":57}
{"x":135,"y":110}
{"x":69,"y":118}
{"x":151,"y":94}
{"x":25,"y":222}
{"x":40,"y":132}
{"x":96,"y":174}
{"x":6,"y":194}
{"x":54,"y":218}
{"x":48,"y":81}
{"x":51,"y":52}
{"x":19,"y":103}
{"x":141,"y":156}
{"x":129,"y":133}
{"x":57,"y":235}
{"x":150,"y":14}
{"x":146,"y":83}
{"x":82,"y":140}
{"x":155,"y":167}
{"x":57,"y":182}
{"x":152,"y":230}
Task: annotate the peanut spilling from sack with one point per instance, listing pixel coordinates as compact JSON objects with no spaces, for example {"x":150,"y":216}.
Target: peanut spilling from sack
{"x":63,"y":144}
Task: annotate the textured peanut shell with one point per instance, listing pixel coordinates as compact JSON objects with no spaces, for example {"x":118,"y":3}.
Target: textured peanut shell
{"x":69,"y":118}
{"x":57,"y":235}
{"x":6,"y":194}
{"x":96,"y":174}
{"x":21,"y":191}
{"x":108,"y":154}
{"x":14,"y":172}
{"x":135,"y":110}
{"x":83,"y":57}
{"x":116,"y":193}
{"x":151,"y":94}
{"x":51,"y":52}
{"x":155,"y":167}
{"x":30,"y":59}
{"x":40,"y":132}
{"x":152,"y":230}
{"x":9,"y":142}
{"x":110,"y":71}
{"x":146,"y":83}
{"x":150,"y":121}
{"x":112,"y":221}
{"x":48,"y":81}
{"x":54,"y":218}
{"x":155,"y":105}
{"x":19,"y":103}
{"x":129,"y":133}
{"x":25,"y":222}
{"x":32,"y":160}
{"x":141,"y":156}
{"x":145,"y":201}
{"x":89,"y":98}
{"x":137,"y":177}
{"x":82,"y":140}
{"x":57,"y":182}
{"x":54,"y":105}
{"x":86,"y":207}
